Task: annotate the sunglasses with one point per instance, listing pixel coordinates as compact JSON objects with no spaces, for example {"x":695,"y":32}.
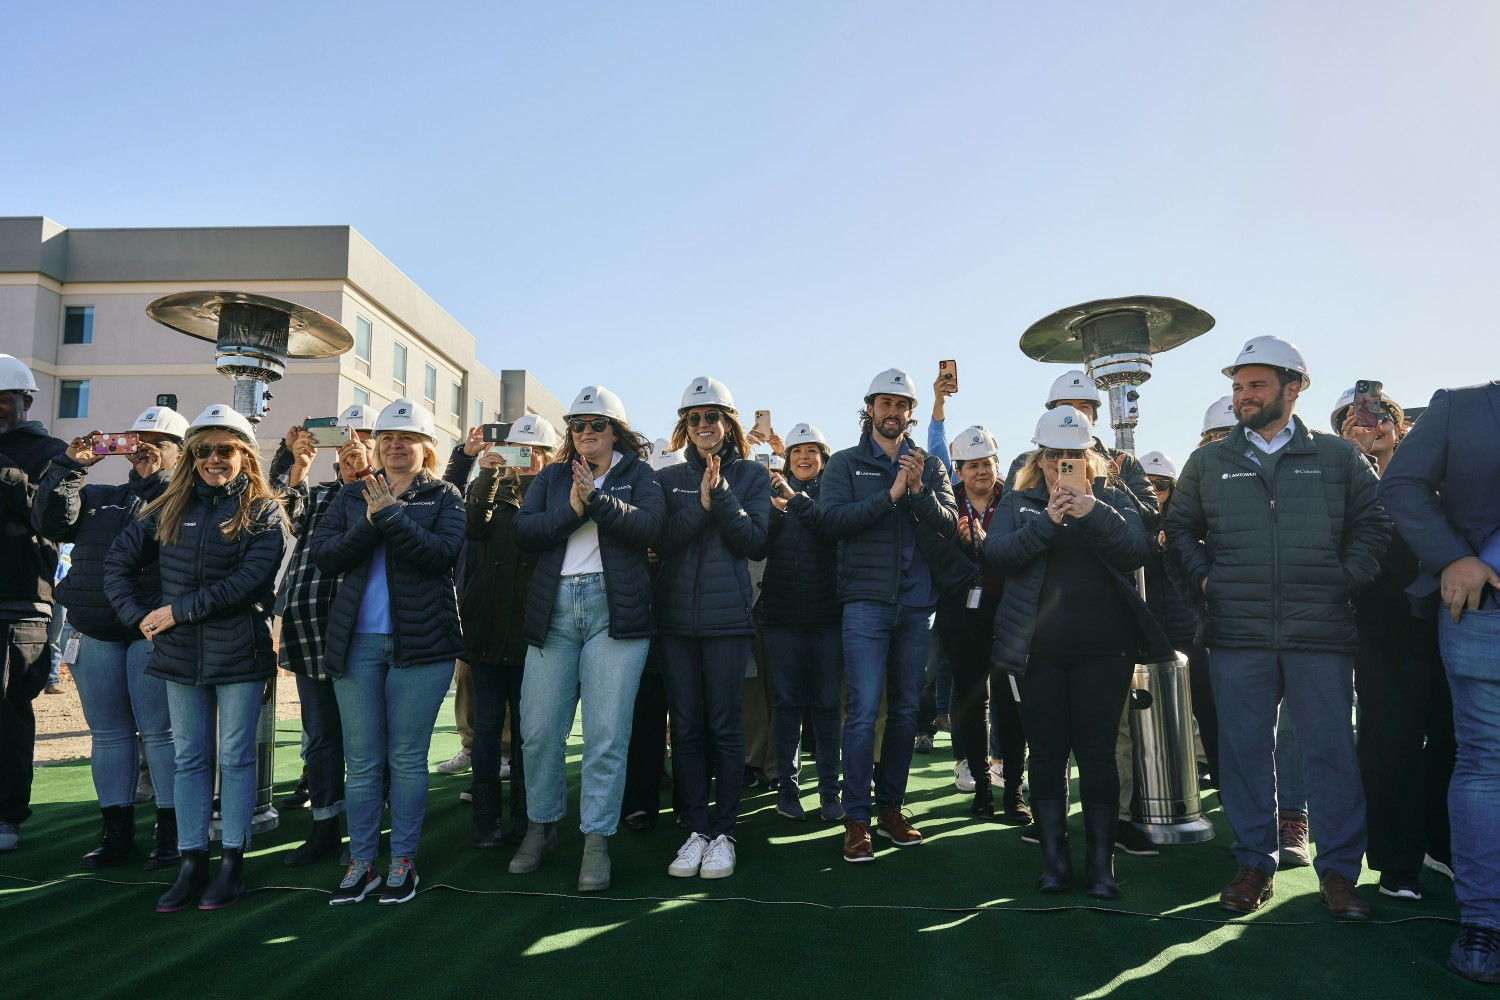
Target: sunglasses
{"x":1052,"y":454}
{"x":202,"y":451}
{"x":598,"y":425}
{"x":1161,"y":485}
{"x":712,"y":416}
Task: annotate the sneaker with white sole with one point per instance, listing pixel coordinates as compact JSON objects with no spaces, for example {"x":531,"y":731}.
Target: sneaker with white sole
{"x":689,"y":857}
{"x":962,"y":779}
{"x":401,"y":883}
{"x":358,"y":882}
{"x":718,"y":860}
{"x":459,"y":763}
{"x":504,"y":766}
{"x":997,"y":773}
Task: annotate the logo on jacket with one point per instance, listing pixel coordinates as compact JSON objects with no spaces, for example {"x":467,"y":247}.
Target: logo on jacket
{"x":1237,"y":475}
{"x":865,"y":472}
{"x":1308,"y":472}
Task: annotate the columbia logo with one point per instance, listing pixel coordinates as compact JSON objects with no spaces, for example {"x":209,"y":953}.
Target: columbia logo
{"x":1308,"y":472}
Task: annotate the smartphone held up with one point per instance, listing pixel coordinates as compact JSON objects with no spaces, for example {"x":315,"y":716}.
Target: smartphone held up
{"x":1074,"y":473}
{"x":326,"y":432}
{"x":1369,"y":408}
{"x":123,"y":443}
{"x":947,"y":377}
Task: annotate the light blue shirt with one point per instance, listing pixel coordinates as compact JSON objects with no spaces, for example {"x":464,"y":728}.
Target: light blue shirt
{"x":1282,"y":438}
{"x":375,"y":603}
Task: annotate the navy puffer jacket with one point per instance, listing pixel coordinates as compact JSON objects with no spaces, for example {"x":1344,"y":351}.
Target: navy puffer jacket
{"x":423,"y":535}
{"x":799,"y":587}
{"x":92,"y":517}
{"x":628,"y":509}
{"x":220,"y":591}
{"x":704,"y":586}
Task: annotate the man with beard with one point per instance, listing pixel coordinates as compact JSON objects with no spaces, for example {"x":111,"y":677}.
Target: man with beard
{"x":1292,"y":526}
{"x":890,"y":507}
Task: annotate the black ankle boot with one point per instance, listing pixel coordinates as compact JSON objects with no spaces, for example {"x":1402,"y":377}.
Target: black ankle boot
{"x":983,"y":805}
{"x":192,"y":879}
{"x":1052,"y":829}
{"x":322,"y":843}
{"x":487,"y":830}
{"x":1014,"y":811}
{"x":1099,"y":856}
{"x":164,"y":854}
{"x":227,"y":889}
{"x":116,"y":840}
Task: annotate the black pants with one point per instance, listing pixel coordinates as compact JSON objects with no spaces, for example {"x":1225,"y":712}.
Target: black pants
{"x":967,"y":649}
{"x":497,"y":687}
{"x":1406,"y":746}
{"x":648,"y":744}
{"x":705,"y":680}
{"x":1205,"y":711}
{"x":1073,"y":704}
{"x":27,"y":660}
{"x":324,"y":753}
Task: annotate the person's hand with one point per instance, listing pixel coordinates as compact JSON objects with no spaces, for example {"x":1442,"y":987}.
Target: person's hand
{"x":378,"y":496}
{"x":898,"y":487}
{"x":1362,"y":438}
{"x":1055,"y":501}
{"x":491,"y":460}
{"x":779,"y":503}
{"x":783,"y":489}
{"x":778,"y":446}
{"x":289,"y":439}
{"x":652,"y":557}
{"x":81,"y":449}
{"x":942,"y":388}
{"x":583,"y":486}
{"x":710,"y":481}
{"x":969,"y":530}
{"x":157,"y":622}
{"x":754,"y":436}
{"x":304,"y":450}
{"x":1075,"y":502}
{"x":1161,"y":541}
{"x":1463,"y":582}
{"x":911,"y":469}
{"x":474,"y":443}
{"x":353,"y":455}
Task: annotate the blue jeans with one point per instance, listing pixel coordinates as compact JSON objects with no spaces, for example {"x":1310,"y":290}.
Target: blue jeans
{"x":705,"y":679}
{"x":54,"y":641}
{"x":885,"y":652}
{"x":1471,"y":657}
{"x":322,"y":746}
{"x":1291,"y":781}
{"x":579,"y":661}
{"x":192,"y":710}
{"x":120,"y":700}
{"x":387,"y":713}
{"x":807,"y":665}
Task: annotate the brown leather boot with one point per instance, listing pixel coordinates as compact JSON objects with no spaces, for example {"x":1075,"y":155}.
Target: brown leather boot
{"x":1251,"y":887}
{"x":857,"y":846}
{"x":894,"y":826}
{"x":1342,"y":898}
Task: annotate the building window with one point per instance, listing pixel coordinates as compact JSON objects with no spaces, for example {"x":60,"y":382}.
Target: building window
{"x":78,"y":325}
{"x":73,"y":399}
{"x":429,"y":385}
{"x":364,"y":335}
{"x":456,"y":403}
{"x":362,"y":396}
{"x":398,"y":368}
{"x":478,"y":413}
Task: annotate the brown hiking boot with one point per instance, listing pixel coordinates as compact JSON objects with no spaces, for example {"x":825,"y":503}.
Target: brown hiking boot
{"x":894,"y":826}
{"x":1292,"y":827}
{"x":1342,"y":898}
{"x":857,"y":846}
{"x":1251,"y":887}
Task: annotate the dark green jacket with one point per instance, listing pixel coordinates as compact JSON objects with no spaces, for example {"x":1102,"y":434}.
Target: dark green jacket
{"x":1283,"y":559}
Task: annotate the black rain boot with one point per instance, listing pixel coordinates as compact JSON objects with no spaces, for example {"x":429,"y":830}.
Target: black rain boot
{"x":487,"y":830}
{"x":1052,"y":829}
{"x":983,"y":805}
{"x":116,"y":840}
{"x":322,"y":843}
{"x":164,"y":855}
{"x":1099,"y":855}
{"x":230,"y":885}
{"x":192,"y":879}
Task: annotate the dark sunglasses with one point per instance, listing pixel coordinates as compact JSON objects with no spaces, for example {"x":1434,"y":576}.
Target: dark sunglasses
{"x":1052,"y":454}
{"x":712,"y":416}
{"x":1161,"y":485}
{"x":598,"y":425}
{"x":202,"y":451}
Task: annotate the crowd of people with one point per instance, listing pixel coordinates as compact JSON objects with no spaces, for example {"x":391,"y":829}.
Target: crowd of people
{"x":873,"y":594}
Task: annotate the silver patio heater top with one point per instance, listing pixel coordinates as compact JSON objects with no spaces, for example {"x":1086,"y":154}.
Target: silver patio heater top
{"x":1114,"y":339}
{"x":253,"y":335}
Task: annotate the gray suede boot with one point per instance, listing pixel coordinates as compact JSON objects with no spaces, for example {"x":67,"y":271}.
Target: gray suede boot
{"x":540,"y":839}
{"x":593,"y":875}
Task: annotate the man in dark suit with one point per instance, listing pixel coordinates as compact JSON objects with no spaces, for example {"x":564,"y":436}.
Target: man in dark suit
{"x":1443,"y":491}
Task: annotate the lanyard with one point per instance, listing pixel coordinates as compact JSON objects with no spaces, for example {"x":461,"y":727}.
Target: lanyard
{"x":975,"y":519}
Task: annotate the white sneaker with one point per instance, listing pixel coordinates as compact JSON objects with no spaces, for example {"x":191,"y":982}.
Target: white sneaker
{"x":997,"y":773}
{"x":962,"y":779}
{"x":504,"y":766}
{"x":690,"y":857}
{"x":458,"y":765}
{"x":718,"y":860}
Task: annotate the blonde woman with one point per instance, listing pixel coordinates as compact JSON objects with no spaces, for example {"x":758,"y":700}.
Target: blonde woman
{"x":218,"y":535}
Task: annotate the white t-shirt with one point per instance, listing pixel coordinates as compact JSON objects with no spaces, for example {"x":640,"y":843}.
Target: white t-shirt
{"x":582,"y":555}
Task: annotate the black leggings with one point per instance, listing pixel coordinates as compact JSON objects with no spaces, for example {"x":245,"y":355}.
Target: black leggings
{"x":1074,"y":703}
{"x":497,"y":686}
{"x":968,"y":652}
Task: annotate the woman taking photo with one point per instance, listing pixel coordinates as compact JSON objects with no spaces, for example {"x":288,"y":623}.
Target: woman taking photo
{"x":718,"y":512}
{"x":119,"y":699}
{"x":216,"y":536}
{"x":493,"y":610}
{"x":391,"y":639}
{"x":801,"y":622}
{"x":1071,"y":626}
{"x":589,"y":517}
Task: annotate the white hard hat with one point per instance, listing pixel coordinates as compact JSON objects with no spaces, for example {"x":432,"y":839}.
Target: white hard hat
{"x":534,"y":430}
{"x":1065,"y":428}
{"x":662,"y":455}
{"x":805,"y":433}
{"x":1220,"y":416}
{"x":358,"y":416}
{"x":597,"y":401}
{"x":1157,"y":464}
{"x":1274,"y":352}
{"x":705,"y":391}
{"x":14,"y":376}
{"x":225,"y":417}
{"x":162,"y":420}
{"x":891,"y":382}
{"x":972,"y":444}
{"x":404,"y":415}
{"x":1073,"y":385}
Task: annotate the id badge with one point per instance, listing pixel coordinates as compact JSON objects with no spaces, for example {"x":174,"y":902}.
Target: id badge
{"x":974,"y":594}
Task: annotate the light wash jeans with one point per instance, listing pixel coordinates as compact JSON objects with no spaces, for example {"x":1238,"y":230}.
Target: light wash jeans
{"x":193,"y":709}
{"x":120,"y":700}
{"x":1471,"y":656}
{"x":579,"y":661}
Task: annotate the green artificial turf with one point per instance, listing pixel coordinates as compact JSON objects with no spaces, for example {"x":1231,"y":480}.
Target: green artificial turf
{"x":956,"y":917}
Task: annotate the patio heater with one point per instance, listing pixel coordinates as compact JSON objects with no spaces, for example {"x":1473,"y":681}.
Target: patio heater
{"x":1115,"y":341}
{"x":254,"y":336}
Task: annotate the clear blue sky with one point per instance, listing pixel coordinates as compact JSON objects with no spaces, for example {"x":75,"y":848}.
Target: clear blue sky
{"x":792,"y":196}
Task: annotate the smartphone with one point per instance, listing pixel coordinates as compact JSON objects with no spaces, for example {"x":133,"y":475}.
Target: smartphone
{"x":764,"y":459}
{"x":515,"y":455}
{"x":948,"y":374}
{"x":497,"y":433}
{"x":167,"y":399}
{"x":1368,"y":410}
{"x":762,"y":423}
{"x":325,"y":431}
{"x":1074,"y":472}
{"x":124,"y":443}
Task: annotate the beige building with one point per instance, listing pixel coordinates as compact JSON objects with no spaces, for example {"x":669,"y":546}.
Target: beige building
{"x":73,"y":307}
